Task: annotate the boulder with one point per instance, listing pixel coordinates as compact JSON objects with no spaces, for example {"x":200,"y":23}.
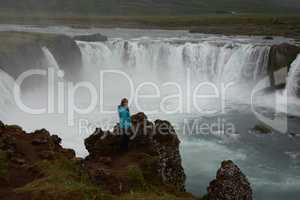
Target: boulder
{"x":91,"y":38}
{"x":280,"y":58}
{"x":156,"y":142}
{"x":230,"y":183}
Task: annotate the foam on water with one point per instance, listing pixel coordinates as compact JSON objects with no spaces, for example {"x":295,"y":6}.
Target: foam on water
{"x":7,"y":84}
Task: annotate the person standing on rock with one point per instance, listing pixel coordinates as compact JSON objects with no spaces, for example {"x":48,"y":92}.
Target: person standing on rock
{"x":125,"y":123}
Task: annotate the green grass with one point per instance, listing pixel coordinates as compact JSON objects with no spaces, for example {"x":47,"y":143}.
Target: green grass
{"x":64,"y":179}
{"x":242,"y":24}
{"x":136,"y":178}
{"x":3,"y":164}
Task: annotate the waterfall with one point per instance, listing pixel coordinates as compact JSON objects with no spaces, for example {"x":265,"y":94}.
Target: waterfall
{"x":207,"y":60}
{"x":6,"y":92}
{"x":292,"y":87}
{"x":94,"y":54}
{"x":50,"y":60}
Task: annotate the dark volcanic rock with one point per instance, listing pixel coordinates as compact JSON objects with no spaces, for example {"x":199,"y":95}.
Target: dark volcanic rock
{"x":268,"y":38}
{"x":157,"y":142}
{"x":166,"y":144}
{"x":39,"y":141}
{"x":230,"y":184}
{"x":102,"y":143}
{"x":20,"y":159}
{"x":91,"y":38}
{"x":56,"y":139}
{"x":280,"y":58}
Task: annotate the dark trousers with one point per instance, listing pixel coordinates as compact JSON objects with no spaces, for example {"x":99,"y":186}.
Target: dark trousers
{"x":124,"y":139}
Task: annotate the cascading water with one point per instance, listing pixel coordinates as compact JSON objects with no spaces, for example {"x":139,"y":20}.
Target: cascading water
{"x":7,"y":84}
{"x":214,"y":62}
{"x":160,"y":61}
{"x":293,"y":80}
{"x":50,"y":60}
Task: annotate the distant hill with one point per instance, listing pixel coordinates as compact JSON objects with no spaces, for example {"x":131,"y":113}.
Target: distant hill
{"x":148,"y":7}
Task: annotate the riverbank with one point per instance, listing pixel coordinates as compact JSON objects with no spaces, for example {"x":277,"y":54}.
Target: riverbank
{"x":242,"y":24}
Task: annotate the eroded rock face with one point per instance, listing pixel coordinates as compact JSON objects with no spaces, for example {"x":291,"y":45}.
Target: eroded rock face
{"x":166,"y":144}
{"x":21,"y":153}
{"x":31,"y":147}
{"x":230,"y":184}
{"x":91,"y":38}
{"x":280,"y":58}
{"x":156,"y":142}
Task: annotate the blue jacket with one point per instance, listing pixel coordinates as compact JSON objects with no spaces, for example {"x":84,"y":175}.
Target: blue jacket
{"x":125,"y":119}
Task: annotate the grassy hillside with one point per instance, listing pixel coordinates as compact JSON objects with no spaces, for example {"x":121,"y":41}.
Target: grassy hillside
{"x":135,"y":7}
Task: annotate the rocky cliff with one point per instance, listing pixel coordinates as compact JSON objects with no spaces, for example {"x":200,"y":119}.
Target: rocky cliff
{"x":24,"y":161}
{"x":34,"y":166}
{"x":155,"y":147}
{"x":280,"y":58}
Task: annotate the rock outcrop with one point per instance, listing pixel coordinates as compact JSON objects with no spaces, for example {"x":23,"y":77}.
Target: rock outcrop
{"x":280,"y":58}
{"x":22,"y":51}
{"x":91,"y":38}
{"x":21,"y":154}
{"x":230,"y":183}
{"x":154,"y":147}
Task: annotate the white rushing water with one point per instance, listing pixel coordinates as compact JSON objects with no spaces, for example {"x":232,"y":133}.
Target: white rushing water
{"x":293,"y":80}
{"x":7,"y":84}
{"x":210,"y":61}
{"x":50,"y":60}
